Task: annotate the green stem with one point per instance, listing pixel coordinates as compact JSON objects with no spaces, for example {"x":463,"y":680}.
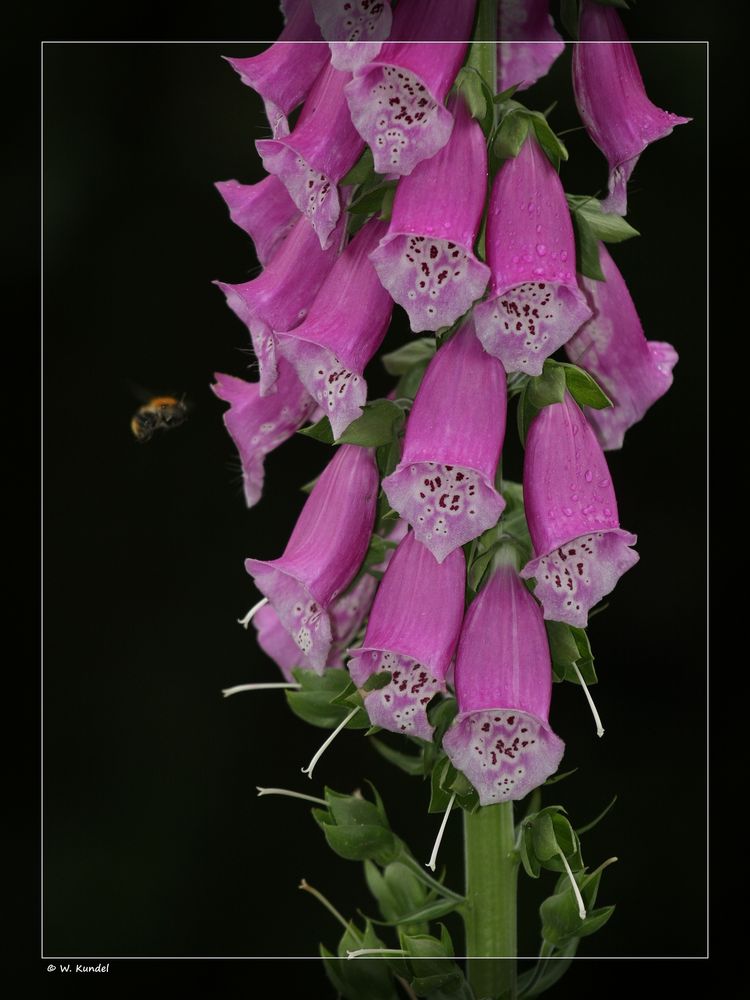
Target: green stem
{"x":483,"y":53}
{"x":490,"y":908}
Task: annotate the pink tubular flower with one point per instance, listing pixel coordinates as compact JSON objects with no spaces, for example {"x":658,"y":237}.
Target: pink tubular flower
{"x":612,"y":100}
{"x":396,"y":101}
{"x":529,"y":42}
{"x":444,"y":484}
{"x":344,"y":328}
{"x":355,"y":29}
{"x":278,"y":299}
{"x":411,"y":633}
{"x":633,"y":371}
{"x":535,"y":304}
{"x":501,"y":738}
{"x":315,"y":156}
{"x":323,"y":553}
{"x":427,"y":261}
{"x":284,"y":73}
{"x":258,"y":424}
{"x":346,"y":615}
{"x":580,"y":549}
{"x":263,"y":210}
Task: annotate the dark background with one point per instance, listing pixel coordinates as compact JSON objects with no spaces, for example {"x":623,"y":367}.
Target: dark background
{"x":155,"y":844}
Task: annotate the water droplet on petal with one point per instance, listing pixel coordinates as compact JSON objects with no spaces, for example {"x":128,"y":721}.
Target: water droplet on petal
{"x":541,"y":249}
{"x":588,"y":475}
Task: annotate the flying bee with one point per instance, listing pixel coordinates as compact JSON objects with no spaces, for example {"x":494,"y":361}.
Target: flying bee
{"x":159,"y":413}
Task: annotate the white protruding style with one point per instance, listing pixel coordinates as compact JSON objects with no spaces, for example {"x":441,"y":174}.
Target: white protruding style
{"x":375,"y":951}
{"x":433,"y":857}
{"x":245,"y":622}
{"x":576,"y":890}
{"x":259,"y":687}
{"x":592,"y":706}
{"x":309,"y":769}
{"x":292,"y":795}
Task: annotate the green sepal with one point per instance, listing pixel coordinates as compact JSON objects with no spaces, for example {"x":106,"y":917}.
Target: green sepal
{"x":510,"y":135}
{"x":583,"y":387}
{"x":592,"y":224}
{"x":547,"y":388}
{"x":357,"y":829}
{"x":362,"y":170}
{"x":409,"y":383}
{"x":403,"y":359}
{"x":548,"y":970}
{"x":445,"y":781}
{"x":376,"y":681}
{"x":569,"y":16}
{"x":570,"y":645}
{"x":430,"y":971}
{"x":315,"y":702}
{"x":308,"y":487}
{"x":387,"y":457}
{"x":371,"y":202}
{"x":363,"y":978}
{"x":412,"y":764}
{"x":471,"y":85}
{"x":561,"y":777}
{"x":505,"y":95}
{"x":561,"y":922}
{"x":400,"y":895}
{"x":544,"y":835}
{"x":380,"y":422}
{"x":580,"y":830}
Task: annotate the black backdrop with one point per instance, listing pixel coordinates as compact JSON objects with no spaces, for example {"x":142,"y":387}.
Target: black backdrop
{"x":155,"y":844}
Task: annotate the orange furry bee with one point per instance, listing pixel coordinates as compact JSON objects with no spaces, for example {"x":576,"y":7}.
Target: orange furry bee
{"x":159,"y":413}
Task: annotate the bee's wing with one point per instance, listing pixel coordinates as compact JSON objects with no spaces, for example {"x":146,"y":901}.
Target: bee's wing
{"x":138,"y":391}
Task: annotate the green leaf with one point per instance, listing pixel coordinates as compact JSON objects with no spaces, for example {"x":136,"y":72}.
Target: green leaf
{"x":400,"y":361}
{"x":525,"y":413}
{"x":505,"y":95}
{"x":308,"y":487}
{"x":408,"y":385}
{"x":355,"y":843}
{"x":553,"y":146}
{"x":362,"y":978}
{"x":569,"y":16}
{"x":314,"y":702}
{"x":410,"y":763}
{"x":587,"y":250}
{"x":510,"y":135}
{"x":606,"y":226}
{"x":560,"y":920}
{"x":569,"y":645}
{"x":386,"y":207}
{"x":371,"y":202}
{"x":547,"y":388}
{"x":361,"y":171}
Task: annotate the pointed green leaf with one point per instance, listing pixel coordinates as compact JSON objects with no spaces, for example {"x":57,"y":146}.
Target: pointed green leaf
{"x":361,"y":171}
{"x":410,"y":763}
{"x":510,"y":135}
{"x":405,"y":358}
{"x":547,"y":388}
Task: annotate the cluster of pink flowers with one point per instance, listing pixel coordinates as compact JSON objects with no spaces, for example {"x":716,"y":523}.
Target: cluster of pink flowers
{"x":321,"y":307}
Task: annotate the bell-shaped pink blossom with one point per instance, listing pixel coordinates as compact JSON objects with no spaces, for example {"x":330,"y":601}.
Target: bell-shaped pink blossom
{"x":534,"y":304}
{"x":346,"y":615}
{"x":276,"y":642}
{"x":324,"y":551}
{"x":285,"y":72}
{"x":313,"y":158}
{"x":412,"y":634}
{"x":258,"y":424}
{"x":501,"y":738}
{"x":427,"y":259}
{"x":355,"y":29}
{"x":444,"y":485}
{"x":580,"y":551}
{"x":633,"y":371}
{"x":397,"y":99}
{"x":279,"y":298}
{"x":263,"y":210}
{"x":343,"y":329}
{"x":529,"y":42}
{"x":611,"y":98}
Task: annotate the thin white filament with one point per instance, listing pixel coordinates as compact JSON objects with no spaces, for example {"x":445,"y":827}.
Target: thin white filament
{"x":592,"y":706}
{"x":309,"y":769}
{"x":244,"y":622}
{"x":257,"y":687}
{"x":290,"y":793}
{"x":576,"y":890}
{"x":375,"y":951}
{"x":441,"y":831}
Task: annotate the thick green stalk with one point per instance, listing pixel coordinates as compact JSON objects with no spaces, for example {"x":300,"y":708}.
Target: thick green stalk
{"x":490,"y":909}
{"x":483,"y":53}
